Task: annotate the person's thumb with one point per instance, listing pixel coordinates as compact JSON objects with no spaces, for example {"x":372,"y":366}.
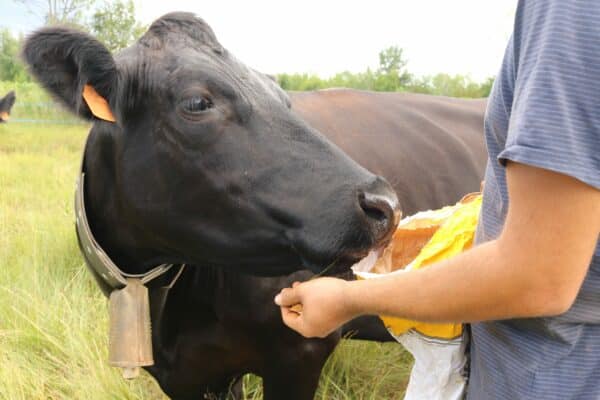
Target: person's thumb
{"x":287,"y":297}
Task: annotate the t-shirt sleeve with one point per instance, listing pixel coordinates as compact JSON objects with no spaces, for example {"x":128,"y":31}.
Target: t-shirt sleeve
{"x":555,"y":116}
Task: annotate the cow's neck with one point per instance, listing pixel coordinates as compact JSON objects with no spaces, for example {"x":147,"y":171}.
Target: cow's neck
{"x":126,"y":245}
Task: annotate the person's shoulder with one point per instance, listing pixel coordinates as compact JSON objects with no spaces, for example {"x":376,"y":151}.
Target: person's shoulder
{"x":547,"y":13}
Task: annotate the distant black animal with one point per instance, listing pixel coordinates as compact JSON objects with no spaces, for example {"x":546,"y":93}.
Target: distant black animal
{"x":211,"y":164}
{"x":6,"y":104}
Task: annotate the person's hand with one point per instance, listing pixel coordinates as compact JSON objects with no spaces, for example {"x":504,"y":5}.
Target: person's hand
{"x":317,"y":307}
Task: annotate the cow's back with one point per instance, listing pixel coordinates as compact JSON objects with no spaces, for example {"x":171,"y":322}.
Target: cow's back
{"x":430,"y":148}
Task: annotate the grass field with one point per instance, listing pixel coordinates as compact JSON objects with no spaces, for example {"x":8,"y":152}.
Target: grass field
{"x":53,"y":319}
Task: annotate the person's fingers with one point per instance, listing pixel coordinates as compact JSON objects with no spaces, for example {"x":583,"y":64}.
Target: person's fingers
{"x":291,"y":319}
{"x":287,"y":297}
{"x":295,"y":284}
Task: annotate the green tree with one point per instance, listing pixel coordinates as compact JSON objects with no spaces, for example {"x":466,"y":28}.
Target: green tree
{"x":11,"y":69}
{"x":486,"y":87}
{"x":392,"y":74}
{"x":115,"y":24}
{"x":458,"y":86}
{"x":300,"y":82}
{"x":420,"y":85}
{"x":361,"y":80}
{"x":391,"y":60}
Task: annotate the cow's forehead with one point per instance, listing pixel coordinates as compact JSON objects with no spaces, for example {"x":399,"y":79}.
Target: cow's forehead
{"x":172,"y":41}
{"x":171,"y":69}
{"x":180,"y":29}
{"x":180,"y":48}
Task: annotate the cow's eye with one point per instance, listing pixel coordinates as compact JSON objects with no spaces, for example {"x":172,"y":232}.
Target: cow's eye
{"x":196,"y":104}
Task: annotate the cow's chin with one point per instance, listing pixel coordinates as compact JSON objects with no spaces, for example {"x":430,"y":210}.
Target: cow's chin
{"x":341,"y":265}
{"x":338,"y":266}
{"x":330,"y":266}
{"x":269,"y":271}
{"x":351,"y":264}
{"x":319,"y":264}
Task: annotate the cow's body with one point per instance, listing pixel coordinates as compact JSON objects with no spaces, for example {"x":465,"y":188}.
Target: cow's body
{"x":430,"y":148}
{"x":197,"y":159}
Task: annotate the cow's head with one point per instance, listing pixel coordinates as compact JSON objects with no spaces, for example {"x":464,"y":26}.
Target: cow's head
{"x":6,"y":104}
{"x":206,"y":162}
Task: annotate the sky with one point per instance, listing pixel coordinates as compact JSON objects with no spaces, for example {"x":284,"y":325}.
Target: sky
{"x":324,"y":37}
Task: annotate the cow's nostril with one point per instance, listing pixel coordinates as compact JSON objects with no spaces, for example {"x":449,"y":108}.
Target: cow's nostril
{"x":373,"y":209}
{"x":382,"y":213}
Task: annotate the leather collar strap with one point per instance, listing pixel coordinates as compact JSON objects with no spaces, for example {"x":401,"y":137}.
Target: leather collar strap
{"x":94,"y":255}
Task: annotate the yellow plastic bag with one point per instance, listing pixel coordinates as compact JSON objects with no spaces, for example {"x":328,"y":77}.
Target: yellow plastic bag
{"x":454,"y":235}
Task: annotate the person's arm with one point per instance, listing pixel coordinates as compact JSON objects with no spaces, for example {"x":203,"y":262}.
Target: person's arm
{"x":535,"y":267}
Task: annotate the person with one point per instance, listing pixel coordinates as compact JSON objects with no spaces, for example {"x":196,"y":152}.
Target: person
{"x":530,"y":288}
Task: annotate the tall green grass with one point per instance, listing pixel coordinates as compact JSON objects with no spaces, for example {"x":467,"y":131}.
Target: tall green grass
{"x":53,"y":319}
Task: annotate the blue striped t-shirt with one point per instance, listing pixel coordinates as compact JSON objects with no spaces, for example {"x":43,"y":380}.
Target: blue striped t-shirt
{"x":544,"y":110}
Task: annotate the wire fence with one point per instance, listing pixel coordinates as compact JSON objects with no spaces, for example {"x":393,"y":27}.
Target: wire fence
{"x":42,"y":112}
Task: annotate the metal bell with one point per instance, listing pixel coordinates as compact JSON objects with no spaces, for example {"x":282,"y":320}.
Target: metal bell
{"x":130,"y":337}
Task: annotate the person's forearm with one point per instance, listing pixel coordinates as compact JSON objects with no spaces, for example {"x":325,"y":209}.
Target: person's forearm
{"x":534,"y":268}
{"x":481,"y":284}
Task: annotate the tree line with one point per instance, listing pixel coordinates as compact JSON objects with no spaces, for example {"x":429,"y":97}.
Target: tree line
{"x":114,"y":23}
{"x":392,"y":75}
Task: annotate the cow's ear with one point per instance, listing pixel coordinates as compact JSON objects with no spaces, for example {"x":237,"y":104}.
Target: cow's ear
{"x":67,"y":63}
{"x":9,"y":99}
{"x":7,"y":102}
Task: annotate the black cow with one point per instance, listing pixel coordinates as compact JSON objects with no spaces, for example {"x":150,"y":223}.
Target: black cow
{"x":209,"y":164}
{"x":6,"y":104}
